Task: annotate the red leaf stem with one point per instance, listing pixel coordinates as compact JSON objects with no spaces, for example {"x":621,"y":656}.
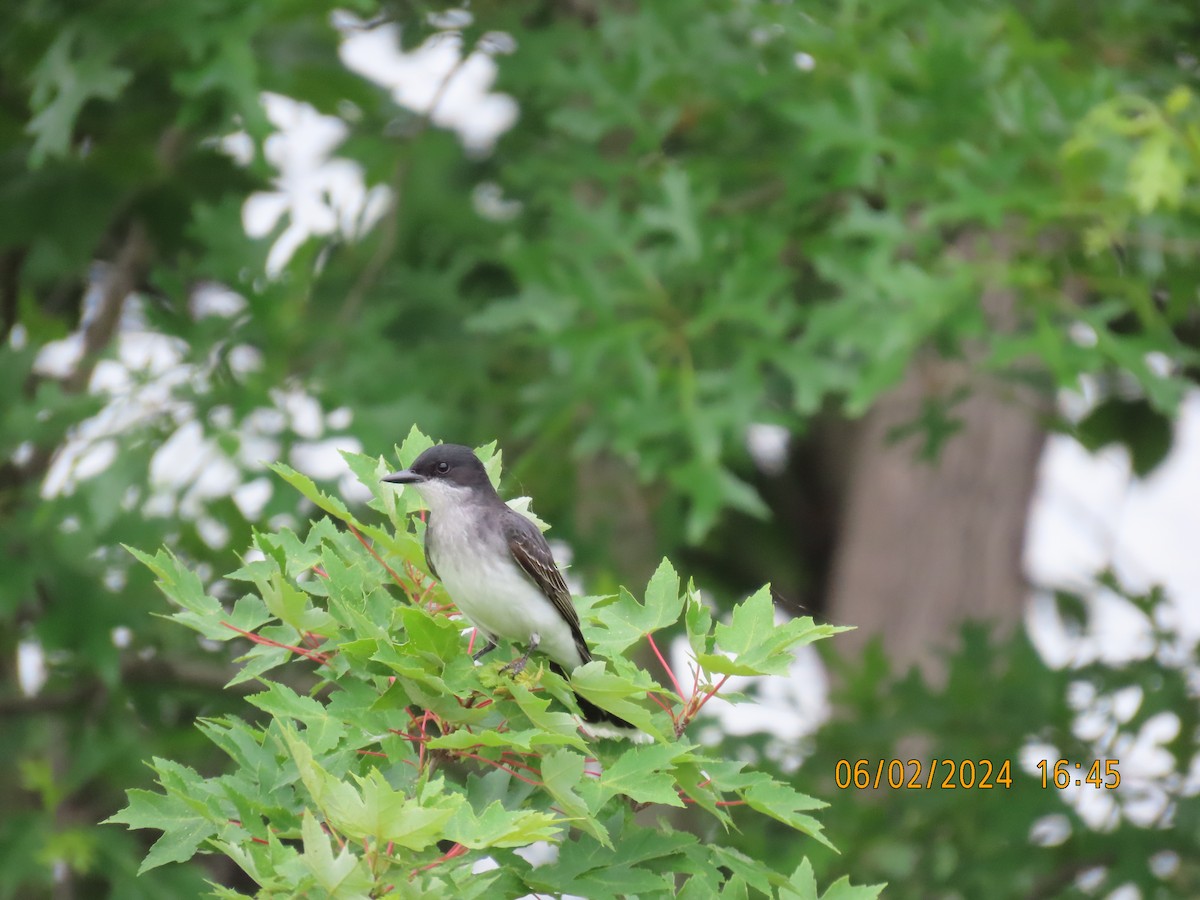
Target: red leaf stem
{"x":499,"y":765}
{"x":455,"y":851}
{"x":362,"y":540}
{"x":712,"y":693}
{"x":674,"y":680}
{"x":319,"y":658}
{"x":653,"y":696}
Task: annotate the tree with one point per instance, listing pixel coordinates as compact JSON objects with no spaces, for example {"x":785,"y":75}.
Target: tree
{"x":1102,"y":821}
{"x":492,"y":766}
{"x":703,"y":218}
{"x":926,"y":547}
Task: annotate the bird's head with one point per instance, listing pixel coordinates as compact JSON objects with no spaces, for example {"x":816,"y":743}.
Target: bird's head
{"x":444,"y":472}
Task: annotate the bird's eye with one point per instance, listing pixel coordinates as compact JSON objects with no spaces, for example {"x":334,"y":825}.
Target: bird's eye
{"x":443,"y":468}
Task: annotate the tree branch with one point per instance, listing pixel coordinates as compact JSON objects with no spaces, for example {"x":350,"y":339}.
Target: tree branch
{"x":11,"y":261}
{"x":163,"y":673}
{"x":128,"y":270}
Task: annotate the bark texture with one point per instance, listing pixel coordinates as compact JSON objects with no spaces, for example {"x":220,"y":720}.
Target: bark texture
{"x":923,"y":546}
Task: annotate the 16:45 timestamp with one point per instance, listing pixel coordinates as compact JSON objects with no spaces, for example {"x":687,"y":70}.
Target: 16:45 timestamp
{"x":1063,"y":773}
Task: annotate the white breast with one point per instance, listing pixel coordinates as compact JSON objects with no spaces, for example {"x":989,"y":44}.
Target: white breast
{"x":490,"y":589}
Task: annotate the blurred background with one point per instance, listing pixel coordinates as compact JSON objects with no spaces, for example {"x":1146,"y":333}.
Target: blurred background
{"x":892,"y":305}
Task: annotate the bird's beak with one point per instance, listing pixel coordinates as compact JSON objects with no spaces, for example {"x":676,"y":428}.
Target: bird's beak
{"x":404,"y":476}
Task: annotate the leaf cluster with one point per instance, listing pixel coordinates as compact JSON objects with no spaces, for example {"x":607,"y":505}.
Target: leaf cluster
{"x":998,"y":700}
{"x":398,"y":764}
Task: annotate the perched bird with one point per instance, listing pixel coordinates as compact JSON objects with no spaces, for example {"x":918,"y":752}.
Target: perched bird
{"x":496,"y":566}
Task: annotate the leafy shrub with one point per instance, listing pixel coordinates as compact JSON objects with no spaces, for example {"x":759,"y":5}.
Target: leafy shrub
{"x":387,"y":762}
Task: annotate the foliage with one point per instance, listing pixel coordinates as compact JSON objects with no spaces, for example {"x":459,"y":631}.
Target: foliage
{"x":1000,"y":701}
{"x":713,"y":214}
{"x":417,"y":764}
{"x":854,"y":216}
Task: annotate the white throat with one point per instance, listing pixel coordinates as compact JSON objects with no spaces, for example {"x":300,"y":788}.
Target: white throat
{"x":442,"y":496}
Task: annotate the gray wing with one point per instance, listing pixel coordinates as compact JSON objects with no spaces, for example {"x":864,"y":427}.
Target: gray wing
{"x":428,"y":554}
{"x":531,"y":552}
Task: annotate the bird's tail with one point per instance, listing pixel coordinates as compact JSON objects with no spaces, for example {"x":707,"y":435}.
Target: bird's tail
{"x":594,"y":715}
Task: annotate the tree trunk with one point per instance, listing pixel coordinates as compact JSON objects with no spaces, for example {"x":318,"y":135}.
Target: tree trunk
{"x":926,"y":545}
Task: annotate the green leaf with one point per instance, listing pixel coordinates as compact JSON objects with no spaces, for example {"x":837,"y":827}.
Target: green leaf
{"x":201,"y":612}
{"x":414,"y":445}
{"x":369,"y":470}
{"x":561,"y":773}
{"x":760,"y":646}
{"x":638,"y":862}
{"x":537,"y":708}
{"x":493,"y":462}
{"x":433,"y":637}
{"x":802,"y":885}
{"x":292,"y":606}
{"x":676,"y":216}
{"x":645,"y":774}
{"x":261,"y":658}
{"x":612,"y":692}
{"x":753,"y":872}
{"x":521,"y":505}
{"x":781,"y":801}
{"x":75,"y":69}
{"x":696,"y":783}
{"x":332,"y":505}
{"x":698,"y":621}
{"x":1143,"y":430}
{"x":523,"y":741}
{"x":249,"y":613}
{"x":373,"y":810}
{"x":244,"y":746}
{"x":344,"y":875}
{"x":184,"y":828}
{"x":1155,"y":177}
{"x":843,"y":890}
{"x":618,"y":882}
{"x":626,"y":621}
{"x":704,"y":882}
{"x":322,"y":733}
{"x":499,"y":827}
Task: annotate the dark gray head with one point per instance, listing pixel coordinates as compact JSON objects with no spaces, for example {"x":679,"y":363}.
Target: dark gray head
{"x":446,"y":468}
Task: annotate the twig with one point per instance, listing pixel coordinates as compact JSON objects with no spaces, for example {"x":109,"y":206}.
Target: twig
{"x":362,"y":540}
{"x":319,"y":658}
{"x":11,"y":261}
{"x":709,"y":696}
{"x":127,"y":271}
{"x":156,"y":672}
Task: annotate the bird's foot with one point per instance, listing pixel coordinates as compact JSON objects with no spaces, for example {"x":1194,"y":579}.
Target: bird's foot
{"x":517,"y":666}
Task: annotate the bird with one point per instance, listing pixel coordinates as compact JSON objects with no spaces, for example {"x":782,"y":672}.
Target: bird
{"x":497,"y":567}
